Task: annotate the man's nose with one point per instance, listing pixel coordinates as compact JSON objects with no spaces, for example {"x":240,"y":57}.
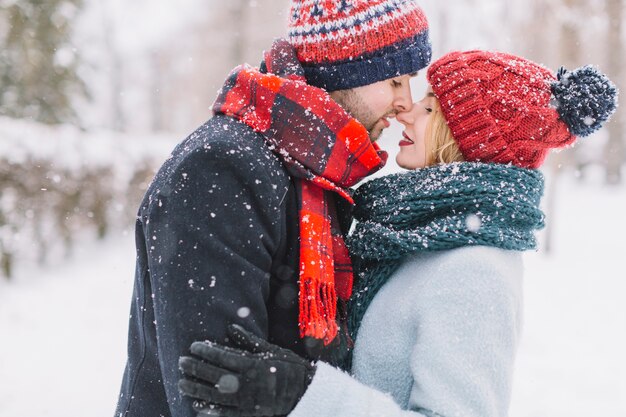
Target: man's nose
{"x":404,"y":117}
{"x":403,"y":101}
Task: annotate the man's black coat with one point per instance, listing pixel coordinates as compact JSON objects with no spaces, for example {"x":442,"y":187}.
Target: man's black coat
{"x":217,"y":243}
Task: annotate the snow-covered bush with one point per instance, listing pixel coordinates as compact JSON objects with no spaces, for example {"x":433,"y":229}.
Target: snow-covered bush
{"x":60,"y":184}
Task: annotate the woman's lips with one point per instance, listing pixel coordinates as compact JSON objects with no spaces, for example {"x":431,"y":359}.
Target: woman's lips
{"x":407,"y":141}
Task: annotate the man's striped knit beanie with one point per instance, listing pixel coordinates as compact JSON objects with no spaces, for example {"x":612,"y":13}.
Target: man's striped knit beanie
{"x":346,"y":44}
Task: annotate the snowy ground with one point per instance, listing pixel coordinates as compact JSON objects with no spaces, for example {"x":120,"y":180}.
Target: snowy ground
{"x":62,"y":334}
{"x":572,"y":361}
{"x":63,"y":328}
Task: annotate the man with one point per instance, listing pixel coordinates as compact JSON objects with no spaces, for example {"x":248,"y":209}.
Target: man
{"x":240,"y":225}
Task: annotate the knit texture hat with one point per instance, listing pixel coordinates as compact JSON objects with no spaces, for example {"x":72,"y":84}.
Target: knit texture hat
{"x":345,"y":44}
{"x":505,"y":109}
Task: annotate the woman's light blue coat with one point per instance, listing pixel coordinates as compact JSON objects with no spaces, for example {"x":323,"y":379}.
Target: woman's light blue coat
{"x":439,"y":339}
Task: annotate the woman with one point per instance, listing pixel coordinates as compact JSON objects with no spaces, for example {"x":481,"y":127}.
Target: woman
{"x":436,"y":310}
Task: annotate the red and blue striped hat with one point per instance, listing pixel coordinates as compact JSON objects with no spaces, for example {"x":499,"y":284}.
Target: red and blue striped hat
{"x":345,"y":44}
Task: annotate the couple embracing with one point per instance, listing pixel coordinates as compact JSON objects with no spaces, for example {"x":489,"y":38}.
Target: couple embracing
{"x":266,"y":286}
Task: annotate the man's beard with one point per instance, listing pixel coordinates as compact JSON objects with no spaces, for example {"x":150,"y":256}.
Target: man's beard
{"x":356,"y":107}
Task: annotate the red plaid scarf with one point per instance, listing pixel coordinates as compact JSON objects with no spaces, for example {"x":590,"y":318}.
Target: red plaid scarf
{"x":326,"y":150}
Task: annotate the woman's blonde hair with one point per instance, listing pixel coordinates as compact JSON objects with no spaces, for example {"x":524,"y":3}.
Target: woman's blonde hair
{"x":441,"y":148}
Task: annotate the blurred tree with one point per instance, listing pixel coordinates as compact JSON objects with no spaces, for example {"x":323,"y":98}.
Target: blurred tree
{"x":37,"y":60}
{"x":572,"y":17}
{"x":187,"y":75}
{"x":538,"y":32}
{"x":116,"y":69}
{"x":239,"y":15}
{"x":615,"y":153}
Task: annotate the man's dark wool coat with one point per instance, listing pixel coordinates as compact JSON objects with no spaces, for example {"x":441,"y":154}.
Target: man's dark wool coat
{"x":217,"y":243}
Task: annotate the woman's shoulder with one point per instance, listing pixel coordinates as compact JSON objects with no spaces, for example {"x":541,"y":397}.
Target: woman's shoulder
{"x":477,"y":279}
{"x":468,"y":266}
{"x":465,"y":256}
{"x":480,"y":257}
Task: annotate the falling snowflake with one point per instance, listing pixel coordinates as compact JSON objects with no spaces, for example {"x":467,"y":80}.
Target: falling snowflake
{"x":228,"y":384}
{"x":588,"y":120}
{"x":473,"y":223}
{"x":243,"y":312}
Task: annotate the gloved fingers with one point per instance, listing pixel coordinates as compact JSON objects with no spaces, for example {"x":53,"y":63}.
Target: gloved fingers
{"x":198,"y":348}
{"x":199,"y":369}
{"x":207,"y":344}
{"x":205,"y":409}
{"x":208,"y":393}
{"x":248,"y":340}
{"x":235,"y":360}
{"x":193,"y":389}
{"x":256,"y":345}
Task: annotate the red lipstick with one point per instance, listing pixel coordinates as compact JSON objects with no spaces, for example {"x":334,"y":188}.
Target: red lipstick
{"x":407,"y":141}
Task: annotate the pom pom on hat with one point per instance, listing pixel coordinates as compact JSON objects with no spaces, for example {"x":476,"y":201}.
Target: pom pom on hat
{"x":585,"y":98}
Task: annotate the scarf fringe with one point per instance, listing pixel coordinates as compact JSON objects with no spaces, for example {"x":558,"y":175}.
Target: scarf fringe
{"x":318,"y":310}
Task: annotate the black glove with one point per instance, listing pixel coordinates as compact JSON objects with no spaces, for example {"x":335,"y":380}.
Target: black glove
{"x":255,"y":379}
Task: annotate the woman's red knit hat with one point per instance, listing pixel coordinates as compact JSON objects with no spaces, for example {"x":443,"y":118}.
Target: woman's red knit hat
{"x":506,"y":109}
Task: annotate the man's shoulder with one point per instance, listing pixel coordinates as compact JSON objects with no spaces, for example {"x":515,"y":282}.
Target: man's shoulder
{"x":225,"y":143}
{"x":221,"y":145}
{"x":227,"y":138}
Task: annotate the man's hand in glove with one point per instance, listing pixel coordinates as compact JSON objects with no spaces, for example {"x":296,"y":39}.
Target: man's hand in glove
{"x":256,"y":378}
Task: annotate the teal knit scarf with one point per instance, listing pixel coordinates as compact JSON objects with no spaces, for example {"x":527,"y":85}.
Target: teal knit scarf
{"x":438,"y":208}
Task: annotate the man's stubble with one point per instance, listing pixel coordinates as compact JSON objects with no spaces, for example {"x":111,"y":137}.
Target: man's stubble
{"x":356,"y":107}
